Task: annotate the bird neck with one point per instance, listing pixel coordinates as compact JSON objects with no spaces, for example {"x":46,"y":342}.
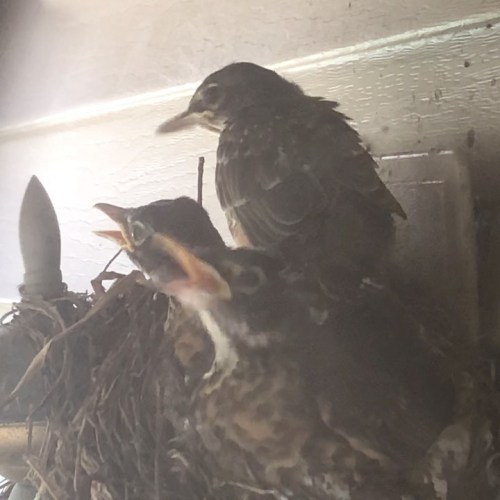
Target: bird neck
{"x":226,"y":356}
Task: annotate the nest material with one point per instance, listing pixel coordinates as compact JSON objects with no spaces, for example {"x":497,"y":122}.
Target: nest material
{"x":117,"y":404}
{"x":118,"y":407}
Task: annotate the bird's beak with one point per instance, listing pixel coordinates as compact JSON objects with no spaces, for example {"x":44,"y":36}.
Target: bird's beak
{"x":182,"y":121}
{"x":201,"y":278}
{"x":118,"y":215}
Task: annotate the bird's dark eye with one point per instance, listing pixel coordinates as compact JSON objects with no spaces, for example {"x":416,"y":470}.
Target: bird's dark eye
{"x":139,"y":232}
{"x":211,"y":95}
{"x":249,"y":280}
{"x":245,"y":279}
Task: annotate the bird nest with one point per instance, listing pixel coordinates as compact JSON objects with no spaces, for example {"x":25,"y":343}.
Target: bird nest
{"x":116,"y":403}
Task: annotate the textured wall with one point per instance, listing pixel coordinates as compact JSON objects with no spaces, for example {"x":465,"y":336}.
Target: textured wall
{"x":60,"y":53}
{"x":430,"y":89}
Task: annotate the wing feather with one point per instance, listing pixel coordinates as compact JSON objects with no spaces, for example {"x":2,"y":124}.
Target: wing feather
{"x":277,"y":170}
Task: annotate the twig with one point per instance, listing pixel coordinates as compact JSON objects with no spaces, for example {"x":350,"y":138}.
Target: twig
{"x":3,"y":318}
{"x":252,"y":489}
{"x":158,"y":442}
{"x":29,"y":426}
{"x":96,"y":283}
{"x":78,"y":458}
{"x":201,"y":165}
{"x":44,"y":308}
{"x":115,"y":256}
{"x":46,"y":482}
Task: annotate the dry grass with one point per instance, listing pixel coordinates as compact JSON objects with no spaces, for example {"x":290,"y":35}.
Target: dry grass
{"x":117,"y":407}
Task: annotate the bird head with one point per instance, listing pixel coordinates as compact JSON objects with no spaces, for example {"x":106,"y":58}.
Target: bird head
{"x":228,"y":91}
{"x":241,"y":290}
{"x":176,"y":245}
{"x":182,"y":217}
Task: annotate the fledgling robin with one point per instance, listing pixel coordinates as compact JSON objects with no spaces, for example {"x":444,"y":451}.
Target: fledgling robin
{"x":292,"y":174}
{"x":187,"y":220}
{"x":327,"y":403}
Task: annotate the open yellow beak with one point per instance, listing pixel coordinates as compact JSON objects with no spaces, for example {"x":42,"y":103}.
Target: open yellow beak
{"x":118,"y":215}
{"x":201,"y":276}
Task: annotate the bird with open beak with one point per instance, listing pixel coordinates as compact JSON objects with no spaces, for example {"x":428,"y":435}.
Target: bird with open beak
{"x":336,"y":403}
{"x":186,"y":219}
{"x":292,"y":174}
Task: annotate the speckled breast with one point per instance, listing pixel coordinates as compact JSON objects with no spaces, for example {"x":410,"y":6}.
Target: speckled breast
{"x":261,"y":407}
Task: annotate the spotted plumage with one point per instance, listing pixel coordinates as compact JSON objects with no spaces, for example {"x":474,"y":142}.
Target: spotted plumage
{"x":291,"y":172}
{"x":309,"y":395}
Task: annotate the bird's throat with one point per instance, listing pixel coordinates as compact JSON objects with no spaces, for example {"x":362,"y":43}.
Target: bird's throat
{"x":226,"y":357}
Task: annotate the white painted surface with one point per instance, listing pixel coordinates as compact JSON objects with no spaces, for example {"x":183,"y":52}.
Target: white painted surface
{"x":60,"y":53}
{"x":5,"y":307}
{"x":411,"y":92}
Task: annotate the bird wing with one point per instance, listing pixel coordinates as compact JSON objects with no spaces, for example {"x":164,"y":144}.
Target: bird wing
{"x":276,"y":170}
{"x":376,"y":379}
{"x":260,"y":183}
